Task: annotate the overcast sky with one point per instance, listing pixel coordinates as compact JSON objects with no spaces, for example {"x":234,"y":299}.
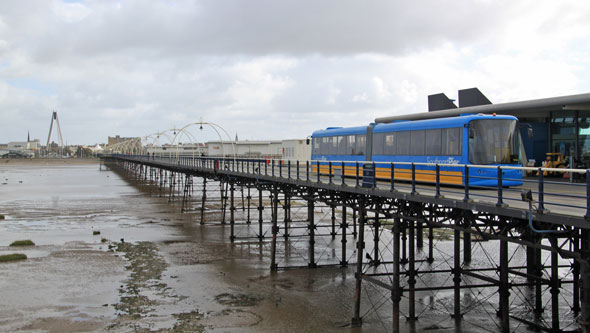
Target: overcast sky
{"x":268,"y":69}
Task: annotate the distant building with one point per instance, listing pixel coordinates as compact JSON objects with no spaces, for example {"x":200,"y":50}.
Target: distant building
{"x":296,"y":149}
{"x":118,"y":139}
{"x":252,"y":149}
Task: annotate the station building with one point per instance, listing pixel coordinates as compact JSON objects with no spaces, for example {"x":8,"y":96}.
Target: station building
{"x":559,"y":124}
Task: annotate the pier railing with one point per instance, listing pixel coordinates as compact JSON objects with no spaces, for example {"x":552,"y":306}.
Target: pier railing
{"x":569,"y":196}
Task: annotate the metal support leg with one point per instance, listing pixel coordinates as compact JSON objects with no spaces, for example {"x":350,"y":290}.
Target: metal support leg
{"x":360,"y":247}
{"x":354,"y":232}
{"x":376,"y":227}
{"x":467,"y":240}
{"x":286,"y":210}
{"x":411,"y":272}
{"x":343,"y":226}
{"x":396,"y":293}
{"x":203,"y":200}
{"x":457,"y":273}
{"x":260,"y":220}
{"x":576,"y":273}
{"x":503,"y":291}
{"x":232,"y":208}
{"x":584,"y":318}
{"x":275,"y":229}
{"x":538,"y":284}
{"x":555,"y":284}
{"x":311,"y":219}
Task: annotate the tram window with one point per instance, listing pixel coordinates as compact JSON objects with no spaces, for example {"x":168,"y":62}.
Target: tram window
{"x":361,"y":141}
{"x":417,"y":143}
{"x":340,"y":144}
{"x":350,"y":144}
{"x":403,"y":143}
{"x":326,"y":145}
{"x":316,"y":146}
{"x":433,"y":142}
{"x":451,"y":141}
{"x":389,"y":148}
{"x":378,"y":143}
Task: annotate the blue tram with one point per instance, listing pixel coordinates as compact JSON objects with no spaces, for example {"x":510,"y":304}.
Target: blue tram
{"x":481,"y":141}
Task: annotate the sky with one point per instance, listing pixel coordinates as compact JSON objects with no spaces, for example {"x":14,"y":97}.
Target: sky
{"x":267,"y":69}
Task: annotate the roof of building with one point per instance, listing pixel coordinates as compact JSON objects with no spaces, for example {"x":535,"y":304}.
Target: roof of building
{"x":522,"y":109}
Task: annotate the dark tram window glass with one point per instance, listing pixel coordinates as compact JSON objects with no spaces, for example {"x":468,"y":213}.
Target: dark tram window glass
{"x":417,"y":143}
{"x":433,"y":142}
{"x":451,"y":141}
{"x":341,"y":145}
{"x":389,"y":148}
{"x":350,"y":144}
{"x":316,"y":146}
{"x":378,"y":143}
{"x":403,"y":143}
{"x":326,"y":145}
{"x":361,"y":142}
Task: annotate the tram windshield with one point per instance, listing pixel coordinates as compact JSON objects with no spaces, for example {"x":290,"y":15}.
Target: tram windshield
{"x":494,"y":141}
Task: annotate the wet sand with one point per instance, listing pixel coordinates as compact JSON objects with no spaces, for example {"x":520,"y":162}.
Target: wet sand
{"x":149,"y":269}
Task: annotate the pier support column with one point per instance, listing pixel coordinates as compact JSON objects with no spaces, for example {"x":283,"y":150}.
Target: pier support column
{"x":275,"y":228}
{"x":248,"y":200}
{"x":538,"y":284}
{"x":223,"y":191}
{"x":360,"y":247}
{"x":555,"y":284}
{"x":333,"y":217}
{"x":396,"y":293}
{"x":354,"y":232}
{"x":311,"y":220}
{"x":467,"y":238}
{"x":203,"y":201}
{"x":504,"y":287}
{"x":260,"y":220}
{"x":287,"y":213}
{"x":576,"y":273}
{"x":584,"y":319}
{"x":376,"y":227}
{"x":457,"y":271}
{"x":411,"y":272}
{"x":343,"y":226}
{"x":232,"y":209}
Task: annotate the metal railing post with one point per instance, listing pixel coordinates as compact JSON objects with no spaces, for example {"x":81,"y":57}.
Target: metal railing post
{"x":500,"y":202}
{"x":342,"y":174}
{"x":318,"y":169}
{"x":272,"y":163}
{"x":330,"y":172}
{"x":437,"y":194}
{"x":289,"y":169}
{"x":541,"y":203}
{"x":466,"y":173}
{"x":413,"y":178}
{"x":297,"y":167}
{"x":587,"y":216}
{"x":357,"y":174}
{"x":392,"y":188}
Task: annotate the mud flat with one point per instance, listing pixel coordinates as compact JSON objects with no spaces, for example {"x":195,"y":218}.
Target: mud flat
{"x":47,"y":161}
{"x":150,"y":269}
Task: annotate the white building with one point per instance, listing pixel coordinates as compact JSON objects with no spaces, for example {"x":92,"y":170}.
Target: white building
{"x":253,"y":149}
{"x":295,"y":149}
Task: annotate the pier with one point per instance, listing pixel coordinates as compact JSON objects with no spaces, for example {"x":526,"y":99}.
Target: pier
{"x":415,"y":243}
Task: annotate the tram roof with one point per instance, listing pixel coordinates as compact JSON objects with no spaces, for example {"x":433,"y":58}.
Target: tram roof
{"x":522,"y":109}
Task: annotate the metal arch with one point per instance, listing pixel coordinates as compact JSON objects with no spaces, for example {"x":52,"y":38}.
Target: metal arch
{"x":216,"y":128}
